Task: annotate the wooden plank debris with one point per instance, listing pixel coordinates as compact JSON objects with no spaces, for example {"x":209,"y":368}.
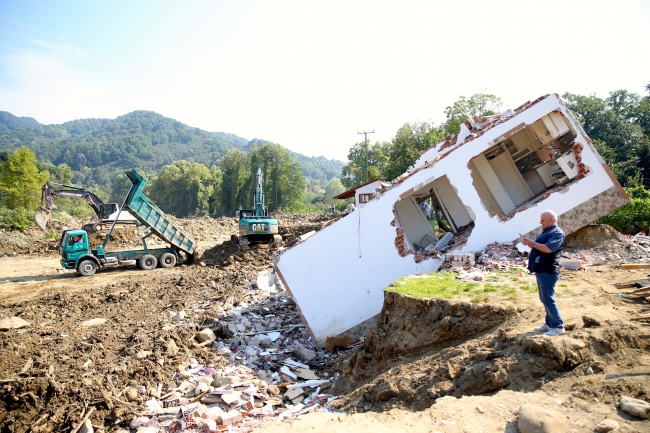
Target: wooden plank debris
{"x":632,"y":283}
{"x":640,"y":291}
{"x":635,"y":266}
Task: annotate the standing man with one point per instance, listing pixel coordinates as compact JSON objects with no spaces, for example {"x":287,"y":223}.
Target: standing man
{"x":544,"y":261}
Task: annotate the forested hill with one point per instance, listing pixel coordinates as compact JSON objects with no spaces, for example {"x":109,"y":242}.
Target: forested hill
{"x":97,"y":149}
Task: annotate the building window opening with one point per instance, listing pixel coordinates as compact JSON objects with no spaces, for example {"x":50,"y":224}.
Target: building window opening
{"x":430,"y":218}
{"x":524,"y":167}
{"x":365,"y":198}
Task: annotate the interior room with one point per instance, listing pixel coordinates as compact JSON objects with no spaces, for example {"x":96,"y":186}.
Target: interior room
{"x":523,"y":167}
{"x":429,"y":213}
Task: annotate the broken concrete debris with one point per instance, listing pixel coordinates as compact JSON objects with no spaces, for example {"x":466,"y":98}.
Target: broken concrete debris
{"x":7,"y":323}
{"x":635,"y":407}
{"x":262,"y":382}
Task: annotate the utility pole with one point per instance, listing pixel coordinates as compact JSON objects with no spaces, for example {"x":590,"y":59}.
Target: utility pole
{"x":365,"y":133}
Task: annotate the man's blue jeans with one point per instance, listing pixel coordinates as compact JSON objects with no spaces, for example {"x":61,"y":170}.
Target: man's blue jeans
{"x":546,"y":284}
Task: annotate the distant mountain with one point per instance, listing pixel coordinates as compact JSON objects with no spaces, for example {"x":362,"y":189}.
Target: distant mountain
{"x":96,"y":149}
{"x":10,"y":122}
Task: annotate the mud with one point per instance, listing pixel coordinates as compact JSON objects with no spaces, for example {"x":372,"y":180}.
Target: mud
{"x":66,"y":366}
{"x":421,"y":350}
{"x":421,"y":356}
{"x":604,"y":241}
{"x":56,"y":369}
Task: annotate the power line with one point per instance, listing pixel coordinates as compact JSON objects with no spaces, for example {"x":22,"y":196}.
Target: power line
{"x":365,"y":133}
{"x":62,"y":40}
{"x":38,"y":42}
{"x":103,"y":62}
{"x":9,"y":48}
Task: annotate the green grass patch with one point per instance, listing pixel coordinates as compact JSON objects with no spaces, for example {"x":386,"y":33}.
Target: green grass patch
{"x":434,"y":285}
{"x":532,"y":288}
{"x":444,"y":285}
{"x":478,"y":299}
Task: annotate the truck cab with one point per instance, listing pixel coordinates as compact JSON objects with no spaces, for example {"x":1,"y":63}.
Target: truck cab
{"x":73,"y":247}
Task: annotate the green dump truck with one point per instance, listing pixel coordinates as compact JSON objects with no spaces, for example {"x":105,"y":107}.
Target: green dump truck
{"x":77,"y":254}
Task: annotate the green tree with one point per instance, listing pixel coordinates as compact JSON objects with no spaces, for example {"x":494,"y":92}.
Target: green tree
{"x":61,"y":173}
{"x":235,"y":167}
{"x":616,"y":124}
{"x":184,"y":188}
{"x":284,"y":183}
{"x":292,"y":199}
{"x":354,"y":172}
{"x":120,"y":187}
{"x":21,"y":181}
{"x":409,"y":141}
{"x":333,"y":187}
{"x":478,"y":105}
{"x":634,"y":217}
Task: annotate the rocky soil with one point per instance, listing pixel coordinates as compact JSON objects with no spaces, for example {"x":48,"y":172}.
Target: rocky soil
{"x":428,"y":365}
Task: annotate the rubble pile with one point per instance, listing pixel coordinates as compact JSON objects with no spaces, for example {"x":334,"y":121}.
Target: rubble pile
{"x":590,"y":246}
{"x":600,"y":244}
{"x":13,"y":246}
{"x":208,"y":229}
{"x":128,"y":346}
{"x":229,"y":256}
{"x":267,"y":376}
{"x":294,"y":225}
{"x":198,"y":347}
{"x":496,"y":257}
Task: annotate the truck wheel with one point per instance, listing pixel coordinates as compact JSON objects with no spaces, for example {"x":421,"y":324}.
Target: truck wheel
{"x":87,"y":267}
{"x":167,"y":260}
{"x":148,"y":262}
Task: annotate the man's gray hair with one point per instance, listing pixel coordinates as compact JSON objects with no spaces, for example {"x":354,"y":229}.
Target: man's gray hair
{"x":550,"y":213}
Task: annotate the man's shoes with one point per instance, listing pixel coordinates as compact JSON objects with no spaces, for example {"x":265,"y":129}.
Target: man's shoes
{"x":555,"y":331}
{"x":543,"y":328}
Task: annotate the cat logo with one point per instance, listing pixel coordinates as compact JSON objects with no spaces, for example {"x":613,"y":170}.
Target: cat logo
{"x":259,"y":227}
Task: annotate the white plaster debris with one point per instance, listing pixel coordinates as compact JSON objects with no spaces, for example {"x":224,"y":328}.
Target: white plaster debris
{"x":256,"y":386}
{"x":476,"y":178}
{"x":7,"y":323}
{"x":93,"y":322}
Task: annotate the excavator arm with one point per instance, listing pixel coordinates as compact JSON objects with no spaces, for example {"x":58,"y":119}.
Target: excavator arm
{"x":47,"y":201}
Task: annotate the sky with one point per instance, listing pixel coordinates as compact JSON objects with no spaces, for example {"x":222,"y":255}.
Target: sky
{"x":310,"y":75}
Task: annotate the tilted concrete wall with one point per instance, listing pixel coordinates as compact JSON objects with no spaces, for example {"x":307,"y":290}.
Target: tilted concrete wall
{"x":337,"y":276}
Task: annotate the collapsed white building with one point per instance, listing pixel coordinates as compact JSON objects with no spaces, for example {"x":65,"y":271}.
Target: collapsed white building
{"x":492,"y":180}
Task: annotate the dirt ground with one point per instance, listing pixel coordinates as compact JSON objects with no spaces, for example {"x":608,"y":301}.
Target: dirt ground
{"x":447,"y":367}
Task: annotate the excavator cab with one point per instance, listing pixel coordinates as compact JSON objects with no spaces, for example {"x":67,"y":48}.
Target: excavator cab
{"x":245,"y":213}
{"x":106,"y":210}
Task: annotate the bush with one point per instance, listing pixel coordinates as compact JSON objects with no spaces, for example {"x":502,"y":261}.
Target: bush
{"x":16,"y":219}
{"x":633,"y":217}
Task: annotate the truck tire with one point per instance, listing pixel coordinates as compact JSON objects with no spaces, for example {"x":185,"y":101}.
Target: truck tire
{"x":167,"y":260}
{"x":87,"y":267}
{"x":148,"y":262}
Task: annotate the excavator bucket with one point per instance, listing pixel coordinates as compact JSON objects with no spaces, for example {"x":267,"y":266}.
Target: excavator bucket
{"x":41,"y":220}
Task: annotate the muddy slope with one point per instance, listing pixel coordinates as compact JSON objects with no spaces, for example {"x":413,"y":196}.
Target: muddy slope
{"x":421,"y":350}
{"x":410,"y":327}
